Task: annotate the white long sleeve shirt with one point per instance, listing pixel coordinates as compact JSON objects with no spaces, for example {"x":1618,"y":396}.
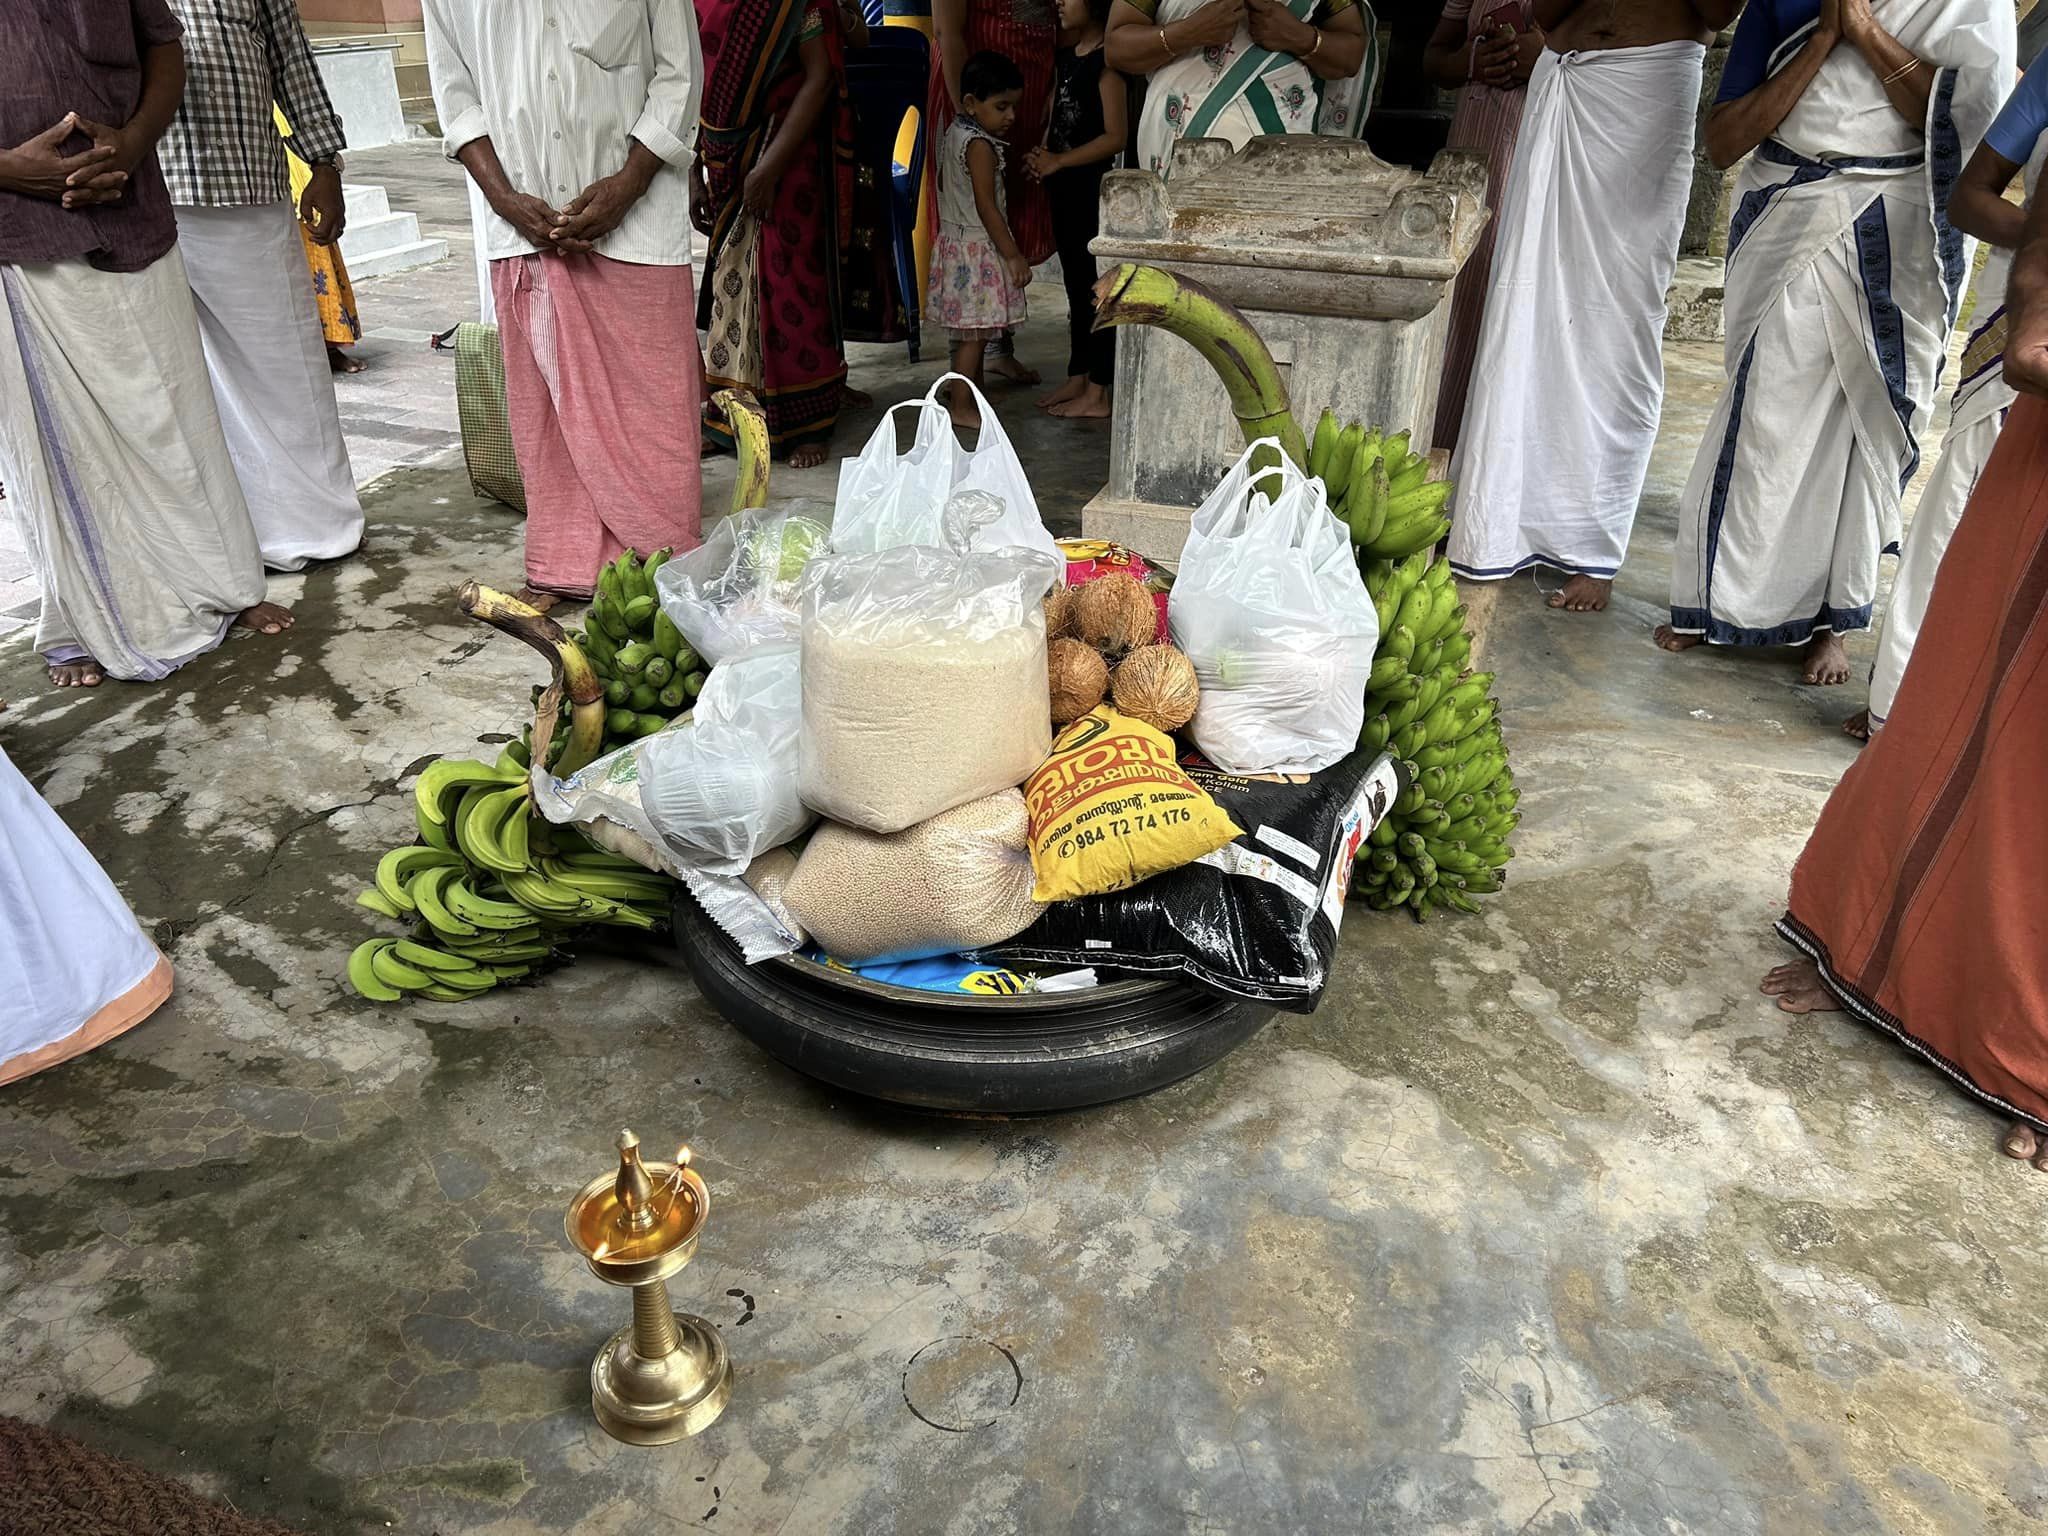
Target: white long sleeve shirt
{"x":560,"y":87}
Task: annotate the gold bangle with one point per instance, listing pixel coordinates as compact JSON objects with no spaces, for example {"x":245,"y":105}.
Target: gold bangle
{"x":1318,"y":45}
{"x":1902,"y":71}
{"x":1164,"y":46}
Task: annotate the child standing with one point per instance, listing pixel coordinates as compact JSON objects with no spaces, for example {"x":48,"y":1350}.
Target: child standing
{"x":1084,"y":136}
{"x":978,"y":272}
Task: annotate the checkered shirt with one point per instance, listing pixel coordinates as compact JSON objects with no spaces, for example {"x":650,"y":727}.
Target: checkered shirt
{"x":222,"y":150}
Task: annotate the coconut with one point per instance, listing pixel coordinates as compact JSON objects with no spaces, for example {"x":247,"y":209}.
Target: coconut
{"x":1059,"y":612}
{"x":1156,"y":684}
{"x":1078,"y":677}
{"x":1115,"y":613}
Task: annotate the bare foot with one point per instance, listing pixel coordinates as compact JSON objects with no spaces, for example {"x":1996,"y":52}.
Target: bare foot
{"x":265,"y":618}
{"x":1671,"y":640}
{"x":83,"y":673}
{"x":1583,"y":594}
{"x":1826,"y":662}
{"x":2025,"y":1144}
{"x":808,"y":456}
{"x":1072,"y":386}
{"x":1091,"y":404}
{"x":1798,"y":988}
{"x":538,"y":600}
{"x":1858,"y":725}
{"x":342,"y":362}
{"x":1009,"y":367}
{"x":968,"y":416}
{"x":848,"y":395}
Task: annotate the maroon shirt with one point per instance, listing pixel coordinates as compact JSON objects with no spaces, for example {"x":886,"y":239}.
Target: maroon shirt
{"x":83,"y":56}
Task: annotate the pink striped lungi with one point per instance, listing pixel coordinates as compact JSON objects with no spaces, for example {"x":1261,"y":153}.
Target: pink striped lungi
{"x":604,"y":386}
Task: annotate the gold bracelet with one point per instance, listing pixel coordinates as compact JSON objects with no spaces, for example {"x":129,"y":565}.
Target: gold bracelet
{"x":1901,"y":72}
{"x":1164,"y":46}
{"x":1318,"y":47}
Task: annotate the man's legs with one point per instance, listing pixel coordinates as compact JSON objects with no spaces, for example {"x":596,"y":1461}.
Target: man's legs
{"x":564,"y":539}
{"x":272,"y":380}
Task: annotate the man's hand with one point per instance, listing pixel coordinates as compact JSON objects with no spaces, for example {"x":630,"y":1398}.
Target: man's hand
{"x":323,"y":209}
{"x":1019,"y":270}
{"x":1213,"y":26}
{"x":37,"y":169}
{"x":128,"y":149}
{"x":599,"y":209}
{"x":1275,"y":28}
{"x":1529,"y":47}
{"x":702,"y":214}
{"x":534,"y":219}
{"x":1493,"y":61}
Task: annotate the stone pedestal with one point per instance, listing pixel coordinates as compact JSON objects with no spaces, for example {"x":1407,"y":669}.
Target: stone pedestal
{"x":362,"y":82}
{"x":1342,"y":262}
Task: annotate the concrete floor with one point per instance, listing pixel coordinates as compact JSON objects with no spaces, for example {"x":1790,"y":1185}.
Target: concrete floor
{"x":1544,"y":1223}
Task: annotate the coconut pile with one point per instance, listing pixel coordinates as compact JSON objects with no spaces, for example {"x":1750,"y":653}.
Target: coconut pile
{"x":1101,"y":643}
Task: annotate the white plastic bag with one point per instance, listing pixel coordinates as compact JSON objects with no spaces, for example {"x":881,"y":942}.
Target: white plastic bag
{"x":887,"y":499}
{"x":711,"y":794}
{"x":737,"y":591}
{"x":924,"y":681}
{"x":1270,"y":607}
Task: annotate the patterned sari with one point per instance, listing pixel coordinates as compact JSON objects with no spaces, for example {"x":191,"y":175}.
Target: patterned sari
{"x":333,"y":294}
{"x":770,"y":308}
{"x":1240,"y":91}
{"x":1027,"y":31}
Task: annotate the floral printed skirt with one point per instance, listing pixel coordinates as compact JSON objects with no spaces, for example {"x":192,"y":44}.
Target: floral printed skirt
{"x":970,"y":292}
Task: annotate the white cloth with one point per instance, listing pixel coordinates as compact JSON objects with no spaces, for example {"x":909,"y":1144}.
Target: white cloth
{"x":1843,"y":279}
{"x":69,"y":946}
{"x":115,"y":467}
{"x":559,"y":86}
{"x":1239,"y":91}
{"x":1568,"y":381}
{"x":271,"y":380}
{"x":1976,"y":417}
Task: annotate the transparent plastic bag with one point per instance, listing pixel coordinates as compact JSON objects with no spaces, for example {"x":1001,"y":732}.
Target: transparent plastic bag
{"x":887,"y":499}
{"x":924,"y":682}
{"x":1269,"y":606}
{"x":737,"y":591}
{"x":711,"y":794}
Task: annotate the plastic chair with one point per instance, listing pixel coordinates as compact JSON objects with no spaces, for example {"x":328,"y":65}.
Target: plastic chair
{"x":887,"y":81}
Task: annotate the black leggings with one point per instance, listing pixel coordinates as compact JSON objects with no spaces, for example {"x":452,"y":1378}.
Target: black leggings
{"x":1076,"y":199}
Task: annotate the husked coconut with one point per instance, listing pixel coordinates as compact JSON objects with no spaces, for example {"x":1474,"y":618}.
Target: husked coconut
{"x":1157,"y":684}
{"x":1115,"y":613}
{"x":1078,"y":677}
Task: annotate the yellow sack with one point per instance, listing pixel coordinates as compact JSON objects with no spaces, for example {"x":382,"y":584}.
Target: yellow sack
{"x":1111,"y":807}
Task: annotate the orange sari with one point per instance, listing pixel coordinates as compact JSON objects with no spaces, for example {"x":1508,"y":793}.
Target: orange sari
{"x":1923,"y":893}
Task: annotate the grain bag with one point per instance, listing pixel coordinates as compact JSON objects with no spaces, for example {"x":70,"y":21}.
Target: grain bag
{"x":924,"y":681}
{"x":959,"y":881}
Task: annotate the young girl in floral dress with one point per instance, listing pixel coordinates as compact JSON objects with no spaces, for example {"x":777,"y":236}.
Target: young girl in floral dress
{"x":979,"y":273}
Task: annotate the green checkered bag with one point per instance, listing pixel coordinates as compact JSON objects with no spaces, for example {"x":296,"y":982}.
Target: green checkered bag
{"x":480,"y":403}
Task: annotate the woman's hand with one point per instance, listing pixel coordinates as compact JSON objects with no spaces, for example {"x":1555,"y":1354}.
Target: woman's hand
{"x":758,"y":192}
{"x":1853,"y":22}
{"x":1043,"y":162}
{"x":1213,"y":26}
{"x":1019,"y":271}
{"x":1277,"y":30}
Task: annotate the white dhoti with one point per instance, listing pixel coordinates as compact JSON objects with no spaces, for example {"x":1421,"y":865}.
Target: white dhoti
{"x":115,"y":468}
{"x":271,"y":379}
{"x":1843,"y":279}
{"x":1568,"y":381}
{"x":75,"y":968}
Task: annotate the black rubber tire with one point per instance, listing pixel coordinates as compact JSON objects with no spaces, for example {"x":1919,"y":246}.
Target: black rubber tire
{"x":965,"y":1055}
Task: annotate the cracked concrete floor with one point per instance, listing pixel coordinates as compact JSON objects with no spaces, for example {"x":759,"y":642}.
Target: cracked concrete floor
{"x":1544,"y":1223}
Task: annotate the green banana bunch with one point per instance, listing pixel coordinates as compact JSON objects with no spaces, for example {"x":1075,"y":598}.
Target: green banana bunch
{"x":638,"y":653}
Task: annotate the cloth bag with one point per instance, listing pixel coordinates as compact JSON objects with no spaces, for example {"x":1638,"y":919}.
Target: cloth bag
{"x":887,"y":499}
{"x":480,"y":407}
{"x":1271,"y":609}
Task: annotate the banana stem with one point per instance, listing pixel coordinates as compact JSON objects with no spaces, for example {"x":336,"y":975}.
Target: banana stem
{"x":571,"y":669}
{"x":749,"y":427}
{"x":1132,"y":294}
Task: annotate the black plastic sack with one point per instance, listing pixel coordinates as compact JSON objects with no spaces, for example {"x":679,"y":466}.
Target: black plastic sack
{"x":1256,"y":919}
